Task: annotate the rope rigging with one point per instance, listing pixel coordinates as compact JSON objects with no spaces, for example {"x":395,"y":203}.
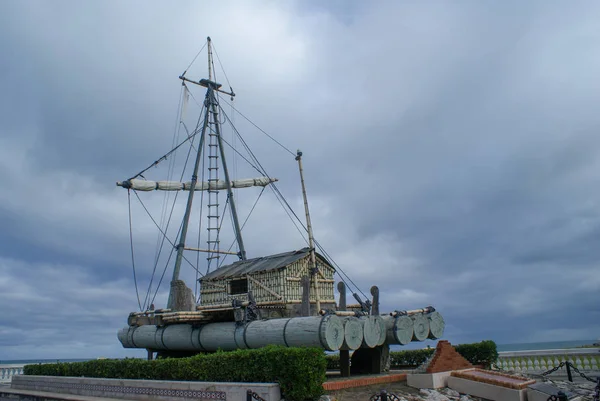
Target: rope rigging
{"x":166,"y":155}
{"x":244,"y":223}
{"x":195,"y":57}
{"x":252,"y":161}
{"x":162,"y":232}
{"x":168,"y":221}
{"x":287,"y":206}
{"x":132,"y":253}
{"x":260,"y":129}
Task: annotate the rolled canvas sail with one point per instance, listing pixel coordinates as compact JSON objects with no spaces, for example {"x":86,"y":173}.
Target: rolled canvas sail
{"x":145,"y":185}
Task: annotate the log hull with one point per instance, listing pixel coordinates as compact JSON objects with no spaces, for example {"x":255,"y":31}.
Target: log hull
{"x":436,"y":325}
{"x":372,"y":328}
{"x":325,"y":332}
{"x":399,"y":330}
{"x":382,"y":331}
{"x":353,"y":333}
{"x":420,"y":327}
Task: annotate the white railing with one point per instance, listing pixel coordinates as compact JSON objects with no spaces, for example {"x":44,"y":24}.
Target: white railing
{"x":587,"y":360}
{"x":8,"y":371}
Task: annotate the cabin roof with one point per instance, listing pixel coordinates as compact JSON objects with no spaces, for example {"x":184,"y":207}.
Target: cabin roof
{"x":264,"y":263}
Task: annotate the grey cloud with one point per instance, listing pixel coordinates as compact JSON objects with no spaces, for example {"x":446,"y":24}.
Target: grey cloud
{"x":449,"y":151}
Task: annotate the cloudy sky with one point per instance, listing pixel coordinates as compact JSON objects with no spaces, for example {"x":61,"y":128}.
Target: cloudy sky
{"x":451,"y":154}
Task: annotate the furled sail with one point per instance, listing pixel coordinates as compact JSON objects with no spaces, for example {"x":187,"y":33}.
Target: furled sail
{"x":145,"y":185}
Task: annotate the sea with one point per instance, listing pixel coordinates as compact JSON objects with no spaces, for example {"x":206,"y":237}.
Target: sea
{"x":544,"y":345}
{"x":501,"y":348}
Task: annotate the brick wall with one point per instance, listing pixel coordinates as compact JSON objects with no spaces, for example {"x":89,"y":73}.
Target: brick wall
{"x":446,"y":358}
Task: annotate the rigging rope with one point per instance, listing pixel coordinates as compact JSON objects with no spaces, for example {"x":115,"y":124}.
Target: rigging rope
{"x":162,"y":276}
{"x":287,"y":207}
{"x":260,"y":129}
{"x":190,"y":137}
{"x":165,"y":229}
{"x":167,"y":195}
{"x":197,"y":54}
{"x":166,"y":155}
{"x":244,"y":224}
{"x":163,"y":233}
{"x":132,"y":253}
{"x":222,"y":69}
{"x":280,"y":198}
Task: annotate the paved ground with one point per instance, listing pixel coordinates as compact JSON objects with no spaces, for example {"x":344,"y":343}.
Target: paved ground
{"x":334,"y":375}
{"x":364,"y":393}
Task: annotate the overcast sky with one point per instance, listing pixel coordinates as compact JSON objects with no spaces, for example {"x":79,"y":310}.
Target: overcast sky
{"x":451,"y":154}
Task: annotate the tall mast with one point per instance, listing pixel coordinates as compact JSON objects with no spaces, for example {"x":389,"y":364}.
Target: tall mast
{"x":212,"y":108}
{"x":188,"y":207}
{"x":213,"y":216}
{"x":311,"y":238}
{"x":234,"y":215}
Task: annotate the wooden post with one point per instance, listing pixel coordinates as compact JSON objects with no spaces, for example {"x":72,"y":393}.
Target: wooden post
{"x":342,"y":289}
{"x":305,"y":307}
{"x":345,"y":363}
{"x":375,"y":306}
{"x":344,"y":354}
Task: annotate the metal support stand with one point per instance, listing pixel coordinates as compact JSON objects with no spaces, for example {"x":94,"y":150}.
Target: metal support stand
{"x":345,"y":363}
{"x":569,"y":374}
{"x":150,"y":355}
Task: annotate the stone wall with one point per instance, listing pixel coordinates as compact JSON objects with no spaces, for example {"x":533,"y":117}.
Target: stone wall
{"x":146,"y":389}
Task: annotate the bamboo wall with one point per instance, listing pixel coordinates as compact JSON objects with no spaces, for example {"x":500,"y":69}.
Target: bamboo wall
{"x":301,"y":268}
{"x":276,"y":286}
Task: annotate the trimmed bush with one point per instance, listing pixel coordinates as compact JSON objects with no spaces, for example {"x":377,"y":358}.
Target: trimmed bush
{"x":483,"y":353}
{"x":333,"y":361}
{"x":409,"y":358}
{"x":300,"y":372}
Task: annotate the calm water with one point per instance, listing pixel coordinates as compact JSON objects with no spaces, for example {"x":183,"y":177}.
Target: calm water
{"x":546,"y":345}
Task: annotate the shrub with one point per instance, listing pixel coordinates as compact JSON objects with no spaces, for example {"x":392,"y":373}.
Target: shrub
{"x":482,"y":353}
{"x":300,"y":372}
{"x":409,"y":358}
{"x":333,"y":361}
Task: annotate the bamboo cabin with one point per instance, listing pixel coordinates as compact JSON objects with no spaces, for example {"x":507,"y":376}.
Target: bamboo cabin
{"x":274,"y":281}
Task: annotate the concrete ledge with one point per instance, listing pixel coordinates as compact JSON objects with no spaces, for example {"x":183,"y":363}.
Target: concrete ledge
{"x":428,"y":380}
{"x":363,"y":381}
{"x":145,"y":389}
{"x":12,"y":394}
{"x":485,"y":390}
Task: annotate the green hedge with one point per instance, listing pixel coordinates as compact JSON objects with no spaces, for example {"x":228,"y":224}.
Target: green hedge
{"x":482,"y":353}
{"x":299,"y":371}
{"x":409,"y":358}
{"x":333,"y":361}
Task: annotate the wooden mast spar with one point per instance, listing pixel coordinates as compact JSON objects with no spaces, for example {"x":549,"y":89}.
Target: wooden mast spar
{"x":311,"y":239}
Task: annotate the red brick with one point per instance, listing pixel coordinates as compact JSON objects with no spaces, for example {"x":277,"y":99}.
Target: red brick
{"x":446,"y":358}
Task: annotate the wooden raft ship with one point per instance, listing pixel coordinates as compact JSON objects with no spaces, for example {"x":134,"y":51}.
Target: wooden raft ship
{"x":285,"y":299}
